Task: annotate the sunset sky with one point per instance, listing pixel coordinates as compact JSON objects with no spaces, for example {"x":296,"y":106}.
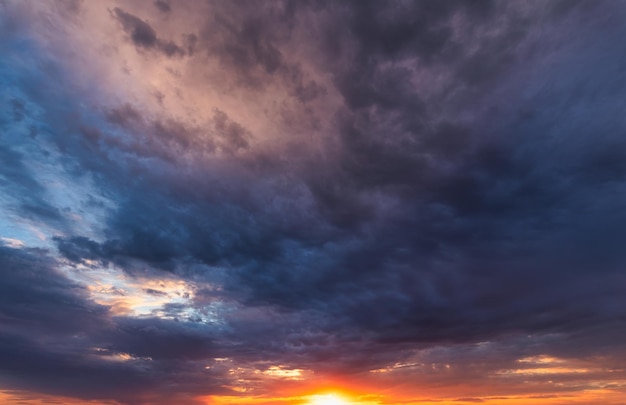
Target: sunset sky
{"x":312,"y":202}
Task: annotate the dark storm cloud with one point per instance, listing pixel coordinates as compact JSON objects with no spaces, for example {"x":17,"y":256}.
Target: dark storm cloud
{"x":178,"y":236}
{"x":249,"y":41}
{"x":482,"y":219}
{"x":36,"y":296}
{"x":40,"y":310}
{"x":144,"y":36}
{"x":234,"y":136}
{"x":18,"y":109}
{"x":161,"y":339}
{"x":20,"y":184}
{"x":173,"y":140}
{"x":55,"y":340}
{"x":31,"y":367}
{"x":15,"y":177}
{"x":163,"y":5}
{"x":124,"y":116}
{"x":471,"y":208}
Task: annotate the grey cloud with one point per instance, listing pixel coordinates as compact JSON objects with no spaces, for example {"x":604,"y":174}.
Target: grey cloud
{"x":246,"y":44}
{"x":124,"y":116}
{"x":35,"y":295}
{"x":479,"y":192}
{"x":144,"y":36}
{"x":30,"y":367}
{"x":154,"y":292}
{"x":470,"y":208}
{"x":234,"y":136}
{"x":174,"y":140}
{"x":257,"y":46}
{"x":41,"y":309}
{"x":18,"y":109}
{"x":163,"y":5}
{"x":55,"y":340}
{"x":161,"y":340}
{"x":25,"y":191}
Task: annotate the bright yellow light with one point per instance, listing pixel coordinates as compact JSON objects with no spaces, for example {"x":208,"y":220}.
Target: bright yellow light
{"x":328,"y":399}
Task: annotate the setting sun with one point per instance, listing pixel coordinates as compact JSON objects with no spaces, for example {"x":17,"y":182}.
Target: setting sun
{"x":329,"y":399}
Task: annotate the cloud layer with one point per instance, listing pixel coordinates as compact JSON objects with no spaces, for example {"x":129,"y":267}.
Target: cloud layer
{"x":238,"y":199}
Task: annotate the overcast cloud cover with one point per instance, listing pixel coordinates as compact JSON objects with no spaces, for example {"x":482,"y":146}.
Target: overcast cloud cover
{"x":234,"y":199}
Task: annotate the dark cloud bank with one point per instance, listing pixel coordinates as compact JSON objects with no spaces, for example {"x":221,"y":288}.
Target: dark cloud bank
{"x":470,"y":189}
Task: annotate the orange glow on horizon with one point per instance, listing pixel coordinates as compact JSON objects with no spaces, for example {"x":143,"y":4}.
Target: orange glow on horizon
{"x":327,"y":399}
{"x":585,"y":397}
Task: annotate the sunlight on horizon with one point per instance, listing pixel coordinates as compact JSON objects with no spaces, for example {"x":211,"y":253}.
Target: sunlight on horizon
{"x":327,"y":399}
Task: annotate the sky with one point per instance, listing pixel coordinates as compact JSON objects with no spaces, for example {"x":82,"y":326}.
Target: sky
{"x":312,"y":202}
